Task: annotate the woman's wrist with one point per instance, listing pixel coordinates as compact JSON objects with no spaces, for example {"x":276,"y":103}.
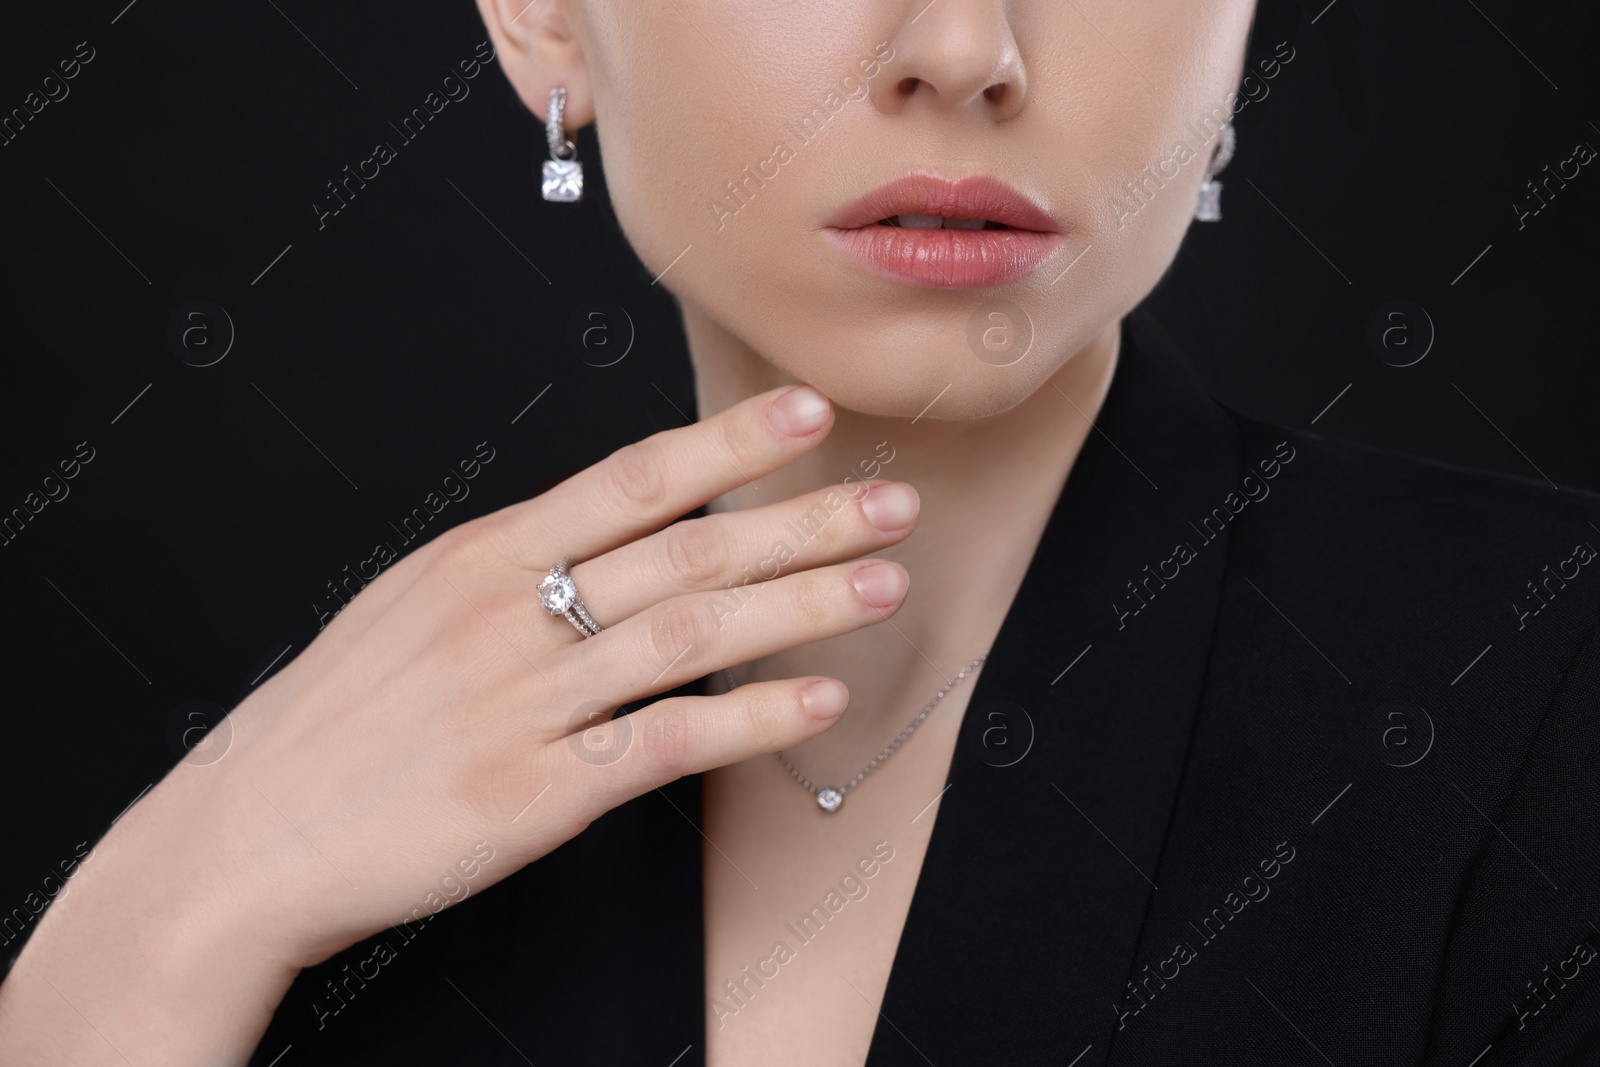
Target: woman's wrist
{"x":151,"y":954}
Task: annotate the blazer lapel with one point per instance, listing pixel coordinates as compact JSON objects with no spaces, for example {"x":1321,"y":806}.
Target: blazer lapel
{"x":1040,"y":868}
{"x":1038,"y":874}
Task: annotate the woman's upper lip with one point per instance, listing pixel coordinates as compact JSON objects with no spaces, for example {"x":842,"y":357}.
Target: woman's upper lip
{"x":978,"y":197}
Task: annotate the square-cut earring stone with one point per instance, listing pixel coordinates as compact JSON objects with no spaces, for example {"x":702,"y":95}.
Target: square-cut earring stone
{"x":563,"y":180}
{"x":1209,"y":209}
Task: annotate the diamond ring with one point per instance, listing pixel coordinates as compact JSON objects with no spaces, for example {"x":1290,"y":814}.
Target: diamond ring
{"x":559,"y":595}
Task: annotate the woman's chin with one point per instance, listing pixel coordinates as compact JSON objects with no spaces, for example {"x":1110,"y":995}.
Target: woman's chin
{"x":961,"y":388}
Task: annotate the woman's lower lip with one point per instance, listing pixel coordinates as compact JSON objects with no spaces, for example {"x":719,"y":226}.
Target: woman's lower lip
{"x":953,"y":259}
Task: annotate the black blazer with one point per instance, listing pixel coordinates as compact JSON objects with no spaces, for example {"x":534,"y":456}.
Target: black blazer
{"x":1298,"y":765}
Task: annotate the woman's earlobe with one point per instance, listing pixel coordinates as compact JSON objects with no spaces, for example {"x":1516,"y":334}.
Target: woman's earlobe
{"x":539,"y":51}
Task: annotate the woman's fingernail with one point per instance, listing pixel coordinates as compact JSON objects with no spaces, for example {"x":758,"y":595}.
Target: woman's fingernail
{"x":891,"y":506}
{"x":825,"y":699}
{"x":881,"y":584}
{"x":799,"y":411}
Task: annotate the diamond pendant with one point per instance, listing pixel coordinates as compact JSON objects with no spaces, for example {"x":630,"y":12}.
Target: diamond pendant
{"x":830,"y":799}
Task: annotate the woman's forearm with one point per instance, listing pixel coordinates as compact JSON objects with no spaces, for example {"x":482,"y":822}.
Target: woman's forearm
{"x":147,"y":957}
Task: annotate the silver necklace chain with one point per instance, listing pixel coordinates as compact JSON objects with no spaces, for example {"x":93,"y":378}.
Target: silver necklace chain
{"x":829,"y":798}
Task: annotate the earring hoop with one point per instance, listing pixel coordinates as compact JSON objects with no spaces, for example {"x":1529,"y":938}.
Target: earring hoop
{"x":563,"y":174}
{"x":1209,"y":206}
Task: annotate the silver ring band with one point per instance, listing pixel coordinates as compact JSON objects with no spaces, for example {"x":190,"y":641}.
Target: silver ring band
{"x":558,"y":594}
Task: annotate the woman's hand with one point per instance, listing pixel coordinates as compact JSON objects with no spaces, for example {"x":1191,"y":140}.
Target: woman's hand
{"x":444,"y":717}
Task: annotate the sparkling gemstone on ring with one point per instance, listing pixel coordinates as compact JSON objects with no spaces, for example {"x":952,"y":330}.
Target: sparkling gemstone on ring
{"x":557,"y":593}
{"x":830,"y":799}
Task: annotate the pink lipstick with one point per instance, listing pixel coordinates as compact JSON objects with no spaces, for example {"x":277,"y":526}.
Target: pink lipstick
{"x":966,"y":234}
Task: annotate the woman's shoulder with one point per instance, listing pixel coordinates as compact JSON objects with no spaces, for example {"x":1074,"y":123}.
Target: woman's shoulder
{"x":1453,"y":535}
{"x":1483,"y":584}
{"x":1424,"y":489}
{"x":1462,"y":608}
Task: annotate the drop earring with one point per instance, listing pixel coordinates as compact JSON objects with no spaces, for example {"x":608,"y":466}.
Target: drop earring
{"x":1209,"y":207}
{"x":563,"y":174}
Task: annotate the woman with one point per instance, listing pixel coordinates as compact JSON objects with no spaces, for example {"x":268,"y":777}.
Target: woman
{"x":1193,"y":739}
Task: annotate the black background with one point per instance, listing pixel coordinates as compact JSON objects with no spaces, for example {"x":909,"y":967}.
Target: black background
{"x":373,"y":354}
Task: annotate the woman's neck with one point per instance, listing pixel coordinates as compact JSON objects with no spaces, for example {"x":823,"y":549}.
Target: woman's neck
{"x":987,"y":487}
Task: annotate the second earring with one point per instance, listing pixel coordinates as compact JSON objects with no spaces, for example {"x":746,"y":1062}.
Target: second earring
{"x":1209,"y":207}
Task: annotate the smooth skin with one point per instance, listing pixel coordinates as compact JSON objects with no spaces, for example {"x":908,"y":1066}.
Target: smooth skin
{"x":1070,"y":102}
{"x":442,"y":701}
{"x":443,"y":707}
